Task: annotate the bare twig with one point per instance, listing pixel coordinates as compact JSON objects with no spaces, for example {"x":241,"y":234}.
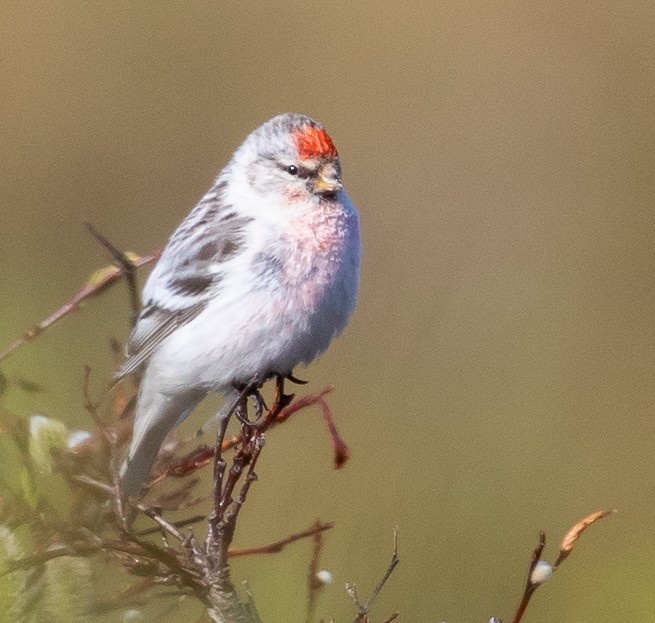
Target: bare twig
{"x":165,"y":525}
{"x":202,"y":456}
{"x":82,"y":548}
{"x":127,"y":266}
{"x":97,"y":284}
{"x":339,"y":447}
{"x":314,"y":584}
{"x":251,"y":476}
{"x":300,"y":404}
{"x":92,"y":409}
{"x":225,"y":605}
{"x":540,"y":571}
{"x":41,"y":558}
{"x":530,"y":586}
{"x":177,"y":524}
{"x":219,"y":471}
{"x":89,"y":405}
{"x":278,"y":546}
{"x":363,"y":609}
{"x":186,"y":575}
{"x":103,"y":487}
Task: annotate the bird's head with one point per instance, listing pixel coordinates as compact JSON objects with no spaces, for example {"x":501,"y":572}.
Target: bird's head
{"x":292,"y":155}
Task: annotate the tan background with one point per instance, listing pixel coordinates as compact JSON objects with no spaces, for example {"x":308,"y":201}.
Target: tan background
{"x":497,"y":377}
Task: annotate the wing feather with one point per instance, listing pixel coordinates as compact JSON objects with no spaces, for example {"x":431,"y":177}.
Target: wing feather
{"x":188,"y":274}
{"x":151,"y":331}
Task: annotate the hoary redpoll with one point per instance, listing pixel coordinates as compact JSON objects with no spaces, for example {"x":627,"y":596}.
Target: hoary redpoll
{"x":259,"y":278}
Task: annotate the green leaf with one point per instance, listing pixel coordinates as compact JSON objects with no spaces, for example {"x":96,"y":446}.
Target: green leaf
{"x":29,"y":488}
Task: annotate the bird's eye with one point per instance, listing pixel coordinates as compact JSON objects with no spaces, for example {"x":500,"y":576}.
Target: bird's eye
{"x":292,"y":169}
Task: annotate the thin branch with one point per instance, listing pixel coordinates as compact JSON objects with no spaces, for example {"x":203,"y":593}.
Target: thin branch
{"x":278,"y":546}
{"x":340,"y":450}
{"x":126,"y":265}
{"x":89,"y":405}
{"x":219,"y":470}
{"x":540,"y":571}
{"x":364,"y":609}
{"x":530,"y":586}
{"x":98,"y":283}
{"x":202,"y":456}
{"x":36,"y":560}
{"x":225,"y":603}
{"x":92,"y":409}
{"x":105,"y":488}
{"x":77,"y":549}
{"x":314,"y":584}
{"x":392,"y":565}
{"x":251,"y":476}
{"x":300,"y":404}
{"x":177,"y":524}
{"x":187,"y":576}
{"x":165,"y":525}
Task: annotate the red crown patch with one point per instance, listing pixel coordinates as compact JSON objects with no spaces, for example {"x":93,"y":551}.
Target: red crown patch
{"x":314,"y":143}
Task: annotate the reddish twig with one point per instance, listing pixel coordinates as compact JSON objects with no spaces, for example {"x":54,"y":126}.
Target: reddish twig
{"x":203,"y":455}
{"x":98,"y":283}
{"x":340,"y":450}
{"x":314,"y":584}
{"x":278,"y":546}
{"x":540,"y":571}
{"x":300,"y":404}
{"x":530,"y":586}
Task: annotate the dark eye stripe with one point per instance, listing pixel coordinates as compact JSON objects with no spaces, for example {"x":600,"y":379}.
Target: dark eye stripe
{"x":297,"y":170}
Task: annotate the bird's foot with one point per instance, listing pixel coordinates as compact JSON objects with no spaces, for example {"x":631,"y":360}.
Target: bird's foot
{"x":295,"y":379}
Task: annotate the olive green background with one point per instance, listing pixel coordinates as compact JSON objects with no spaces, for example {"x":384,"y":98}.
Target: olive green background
{"x":497,"y":377}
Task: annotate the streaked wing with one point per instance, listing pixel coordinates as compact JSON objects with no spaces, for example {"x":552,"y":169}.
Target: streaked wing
{"x":154,"y":326}
{"x":187,"y":275}
{"x":193,"y":261}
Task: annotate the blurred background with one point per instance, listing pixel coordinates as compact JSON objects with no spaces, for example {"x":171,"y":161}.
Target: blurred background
{"x":497,"y":377}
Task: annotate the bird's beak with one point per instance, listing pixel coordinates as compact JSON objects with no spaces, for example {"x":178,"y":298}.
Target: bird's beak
{"x":328,"y":181}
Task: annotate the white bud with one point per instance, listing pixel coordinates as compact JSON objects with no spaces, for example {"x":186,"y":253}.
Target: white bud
{"x":46,"y":434}
{"x":38,"y":423}
{"x":77,"y":437}
{"x":132,"y":616}
{"x":541,"y":573}
{"x":324,"y":576}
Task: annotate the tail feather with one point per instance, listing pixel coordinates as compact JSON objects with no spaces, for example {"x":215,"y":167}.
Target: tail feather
{"x":155,"y":417}
{"x":136,"y":468}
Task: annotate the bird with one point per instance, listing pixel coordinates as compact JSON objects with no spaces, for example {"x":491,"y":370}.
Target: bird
{"x":259,"y":278}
